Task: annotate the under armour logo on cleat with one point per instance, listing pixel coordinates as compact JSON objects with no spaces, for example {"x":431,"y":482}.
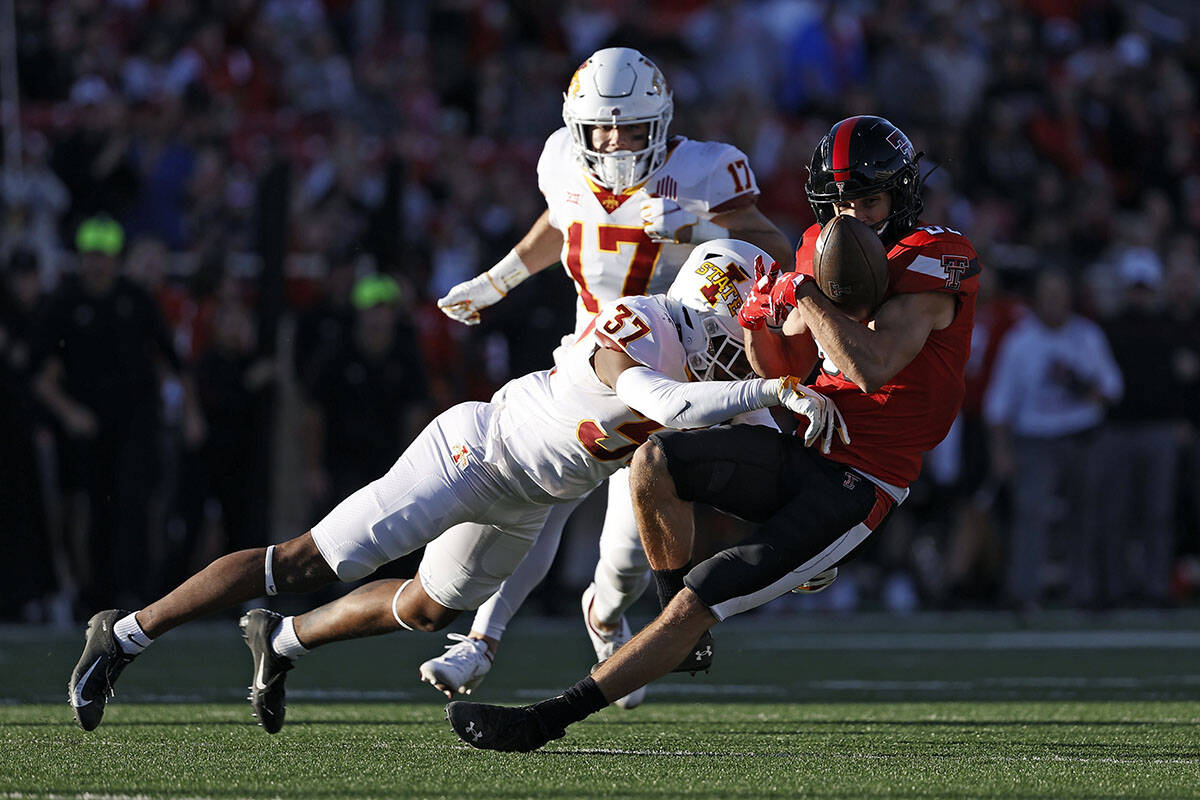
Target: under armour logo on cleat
{"x":700,"y":654}
{"x":475,"y":732}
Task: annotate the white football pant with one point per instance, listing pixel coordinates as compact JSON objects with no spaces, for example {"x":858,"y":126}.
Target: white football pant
{"x":440,"y":482}
{"x":621,"y":575}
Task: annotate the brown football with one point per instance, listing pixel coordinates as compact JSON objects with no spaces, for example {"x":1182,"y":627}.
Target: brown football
{"x":850,"y":265}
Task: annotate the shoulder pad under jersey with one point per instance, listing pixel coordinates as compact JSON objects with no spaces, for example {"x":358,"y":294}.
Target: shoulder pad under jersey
{"x":703,"y":176}
{"x":556,"y":156}
{"x":641,"y":327}
{"x":933,"y":258}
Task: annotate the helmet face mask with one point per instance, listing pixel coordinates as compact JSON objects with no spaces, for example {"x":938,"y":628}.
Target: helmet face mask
{"x":618,"y":86}
{"x":862,"y":156}
{"x":617,"y":170}
{"x":724,"y":355}
{"x":704,"y":300}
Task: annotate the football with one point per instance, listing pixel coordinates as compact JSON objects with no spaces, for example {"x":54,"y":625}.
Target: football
{"x":850,"y":265}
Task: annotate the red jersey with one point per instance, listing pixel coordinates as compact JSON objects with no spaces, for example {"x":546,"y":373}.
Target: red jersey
{"x":890,"y":429}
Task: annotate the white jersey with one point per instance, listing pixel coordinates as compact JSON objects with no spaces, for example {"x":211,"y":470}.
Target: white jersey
{"x":546,"y":438}
{"x":605,"y":250}
{"x":566,"y":430}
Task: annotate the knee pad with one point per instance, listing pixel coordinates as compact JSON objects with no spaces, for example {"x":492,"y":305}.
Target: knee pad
{"x":627,"y":581}
{"x":617,"y":591}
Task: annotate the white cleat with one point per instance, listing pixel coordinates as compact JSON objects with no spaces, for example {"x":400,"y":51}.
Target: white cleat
{"x":605,"y":643}
{"x":818,"y":582}
{"x":460,"y":668}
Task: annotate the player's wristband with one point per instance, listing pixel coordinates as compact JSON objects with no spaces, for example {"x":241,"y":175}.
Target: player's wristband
{"x":508,"y":272}
{"x":704,"y":230}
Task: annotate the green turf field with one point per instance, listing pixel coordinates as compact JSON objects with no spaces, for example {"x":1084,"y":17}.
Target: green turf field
{"x":966,"y":706}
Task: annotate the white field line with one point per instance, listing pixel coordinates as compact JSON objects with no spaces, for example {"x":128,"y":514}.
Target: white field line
{"x":996,"y":640}
{"x":697,"y":690}
{"x":1024,"y":682}
{"x":617,"y":751}
{"x":917,"y":686}
{"x":221,"y":695}
{"x":359,"y":695}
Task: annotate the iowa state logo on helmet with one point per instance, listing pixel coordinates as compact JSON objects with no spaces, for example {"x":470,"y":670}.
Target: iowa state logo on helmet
{"x":722,"y":284}
{"x":573,"y":89}
{"x":658,"y":84}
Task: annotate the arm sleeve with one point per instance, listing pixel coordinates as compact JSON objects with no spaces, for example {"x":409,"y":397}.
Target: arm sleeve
{"x":691,"y":405}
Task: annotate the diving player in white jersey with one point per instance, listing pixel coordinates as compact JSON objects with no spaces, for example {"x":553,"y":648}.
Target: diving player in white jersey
{"x":545,"y":438}
{"x":626,"y":204}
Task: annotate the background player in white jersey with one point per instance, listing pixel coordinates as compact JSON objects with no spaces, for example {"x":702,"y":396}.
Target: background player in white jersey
{"x":626,"y":204}
{"x":545,"y":438}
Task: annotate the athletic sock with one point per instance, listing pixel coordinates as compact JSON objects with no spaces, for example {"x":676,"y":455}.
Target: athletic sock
{"x":284,"y":642}
{"x":577,"y":703}
{"x":130,"y":635}
{"x":669,"y":582}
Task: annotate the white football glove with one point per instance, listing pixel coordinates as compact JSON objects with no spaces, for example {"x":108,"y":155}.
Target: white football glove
{"x":464,"y":301}
{"x":664,"y":220}
{"x":824,"y":418}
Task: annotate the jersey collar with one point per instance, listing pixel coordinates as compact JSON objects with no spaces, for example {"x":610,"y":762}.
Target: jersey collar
{"x":608,"y":201}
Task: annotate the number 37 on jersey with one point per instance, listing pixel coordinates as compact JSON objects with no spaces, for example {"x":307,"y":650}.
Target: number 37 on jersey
{"x":621,"y":327}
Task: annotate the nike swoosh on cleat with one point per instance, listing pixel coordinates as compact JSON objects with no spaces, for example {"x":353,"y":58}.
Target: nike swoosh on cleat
{"x":77,"y":699}
{"x":258,"y":675}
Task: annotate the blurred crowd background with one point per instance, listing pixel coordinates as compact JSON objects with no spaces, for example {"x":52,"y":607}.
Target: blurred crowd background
{"x":225,"y":226}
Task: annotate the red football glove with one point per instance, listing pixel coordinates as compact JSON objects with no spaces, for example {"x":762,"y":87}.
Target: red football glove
{"x":759,"y":308}
{"x":755,"y":312}
{"x":783,"y":292}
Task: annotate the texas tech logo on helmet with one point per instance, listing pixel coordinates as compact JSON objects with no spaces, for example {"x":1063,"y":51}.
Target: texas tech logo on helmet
{"x":898,"y":140}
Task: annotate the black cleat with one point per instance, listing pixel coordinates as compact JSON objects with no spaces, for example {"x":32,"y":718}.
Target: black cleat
{"x":270,"y":669}
{"x":102,"y":661}
{"x":503,"y":728}
{"x":699,"y":659}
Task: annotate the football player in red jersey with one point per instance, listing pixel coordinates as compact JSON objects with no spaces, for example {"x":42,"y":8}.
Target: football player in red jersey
{"x":894,"y":374}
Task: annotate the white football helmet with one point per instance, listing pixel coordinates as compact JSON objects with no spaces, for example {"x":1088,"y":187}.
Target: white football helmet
{"x":704,"y":300}
{"x":618,"y":86}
